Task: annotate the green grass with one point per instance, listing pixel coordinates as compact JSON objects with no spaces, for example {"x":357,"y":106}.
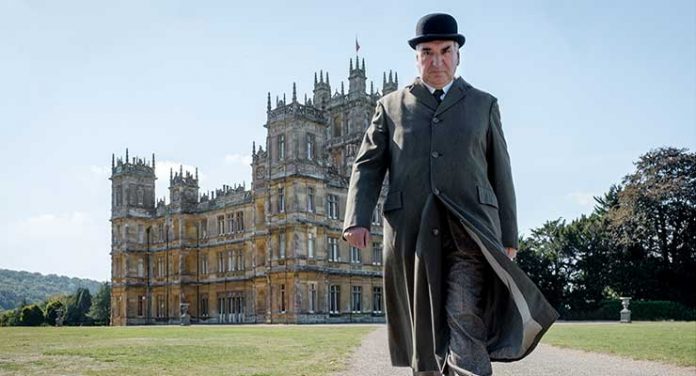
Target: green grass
{"x":667,"y":342}
{"x":195,"y":350}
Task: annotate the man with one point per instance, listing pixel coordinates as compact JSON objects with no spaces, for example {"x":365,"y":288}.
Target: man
{"x":454,"y":298}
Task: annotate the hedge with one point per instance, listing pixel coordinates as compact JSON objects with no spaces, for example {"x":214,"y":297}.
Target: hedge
{"x":641,"y":310}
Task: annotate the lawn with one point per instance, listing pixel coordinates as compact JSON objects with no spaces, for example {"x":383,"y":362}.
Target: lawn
{"x":196,"y":350}
{"x":667,"y":342}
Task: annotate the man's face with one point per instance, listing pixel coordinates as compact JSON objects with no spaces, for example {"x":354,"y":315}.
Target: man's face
{"x":437,"y":60}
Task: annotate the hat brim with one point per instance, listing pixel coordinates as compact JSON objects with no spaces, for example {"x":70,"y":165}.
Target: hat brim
{"x":431,"y":37}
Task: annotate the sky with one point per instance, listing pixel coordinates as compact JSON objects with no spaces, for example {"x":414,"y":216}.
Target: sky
{"x":585,"y":88}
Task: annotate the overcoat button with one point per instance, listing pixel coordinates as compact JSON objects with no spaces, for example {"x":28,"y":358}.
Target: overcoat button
{"x":436,"y":232}
{"x":436,"y":191}
{"x":436,"y":120}
{"x":435,"y":154}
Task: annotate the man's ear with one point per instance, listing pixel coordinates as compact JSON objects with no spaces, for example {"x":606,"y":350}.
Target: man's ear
{"x":458,"y":58}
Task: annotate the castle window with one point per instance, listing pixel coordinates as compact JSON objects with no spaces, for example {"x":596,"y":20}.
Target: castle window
{"x":310,"y":146}
{"x":119,"y":195}
{"x":281,"y":200}
{"x":332,"y":201}
{"x":141,"y":268}
{"x":221,"y":225}
{"x":377,"y":300}
{"x":376,"y":254}
{"x":204,"y":306}
{"x":281,"y":245}
{"x":333,"y":250}
{"x":335,"y":299}
{"x":281,"y":147}
{"x":354,"y":255}
{"x":141,"y":306}
{"x":240,"y":221}
{"x":310,"y":199}
{"x":160,"y":266}
{"x":159,"y":312}
{"x":312,"y":298}
{"x":203,"y":228}
{"x":231,"y":262}
{"x":282,"y":298}
{"x":230,"y":223}
{"x":337,"y":126}
{"x":238,"y":260}
{"x":311,"y":240}
{"x":141,"y":195}
{"x":377,"y":215}
{"x":204,"y":264}
{"x":220,"y":262}
{"x":356,"y":305}
{"x":141,"y":234}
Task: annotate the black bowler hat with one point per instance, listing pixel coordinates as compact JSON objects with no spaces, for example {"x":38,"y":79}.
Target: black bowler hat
{"x":436,"y":26}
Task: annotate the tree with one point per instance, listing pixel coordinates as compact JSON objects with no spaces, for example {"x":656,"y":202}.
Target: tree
{"x":101,"y":305}
{"x":51,"y":313}
{"x":77,"y":307}
{"x":654,"y":225}
{"x":31,"y":315}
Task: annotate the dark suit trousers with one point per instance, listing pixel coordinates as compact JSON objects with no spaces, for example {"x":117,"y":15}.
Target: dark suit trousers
{"x":468,"y":274}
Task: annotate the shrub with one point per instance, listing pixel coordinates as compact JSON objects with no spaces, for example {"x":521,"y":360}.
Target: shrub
{"x":51,"y":311}
{"x":31,"y":315}
{"x":641,"y":310}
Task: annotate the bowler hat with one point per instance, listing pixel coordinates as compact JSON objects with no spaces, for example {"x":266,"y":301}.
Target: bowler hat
{"x":436,"y":26}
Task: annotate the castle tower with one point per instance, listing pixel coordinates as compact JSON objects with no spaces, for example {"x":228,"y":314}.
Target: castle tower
{"x":132,"y":186}
{"x":322,"y":90}
{"x":183,"y":190}
{"x":357,"y":78}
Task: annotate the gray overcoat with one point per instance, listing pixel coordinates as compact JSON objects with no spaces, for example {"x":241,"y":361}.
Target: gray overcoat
{"x":454,"y":153}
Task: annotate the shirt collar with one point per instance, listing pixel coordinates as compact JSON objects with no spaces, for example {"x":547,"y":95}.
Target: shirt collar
{"x":444,"y":89}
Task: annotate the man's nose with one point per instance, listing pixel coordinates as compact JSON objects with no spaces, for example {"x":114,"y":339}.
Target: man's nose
{"x":437,"y":60}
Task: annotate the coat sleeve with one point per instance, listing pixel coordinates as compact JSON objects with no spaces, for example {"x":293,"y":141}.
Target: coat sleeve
{"x":368,"y":173}
{"x":500,"y":177}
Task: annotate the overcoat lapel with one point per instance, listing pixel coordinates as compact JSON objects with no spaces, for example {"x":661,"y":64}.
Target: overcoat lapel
{"x":455,"y":94}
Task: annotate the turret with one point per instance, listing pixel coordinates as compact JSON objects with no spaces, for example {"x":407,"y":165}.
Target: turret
{"x":357,"y":77}
{"x":322,"y":90}
{"x":390,"y":85}
{"x":183,"y":190}
{"x":132,"y":186}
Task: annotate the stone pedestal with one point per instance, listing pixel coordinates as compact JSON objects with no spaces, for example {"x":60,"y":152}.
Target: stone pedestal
{"x":625,"y":312}
{"x":185,"y":317}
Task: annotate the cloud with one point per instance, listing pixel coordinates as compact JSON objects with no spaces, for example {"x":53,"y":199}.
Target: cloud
{"x":243,"y":159}
{"x":585,"y":199}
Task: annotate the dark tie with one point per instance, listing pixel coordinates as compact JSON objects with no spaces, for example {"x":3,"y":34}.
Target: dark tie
{"x":438,"y":95}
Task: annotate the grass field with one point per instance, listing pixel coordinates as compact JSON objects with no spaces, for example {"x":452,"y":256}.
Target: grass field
{"x":175,"y":350}
{"x":278,"y":350}
{"x":667,"y":342}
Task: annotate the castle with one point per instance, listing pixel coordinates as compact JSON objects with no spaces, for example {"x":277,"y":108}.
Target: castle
{"x":270,"y":254}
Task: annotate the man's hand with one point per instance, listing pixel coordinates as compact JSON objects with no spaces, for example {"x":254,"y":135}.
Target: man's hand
{"x":358,"y":237}
{"x":511,"y":253}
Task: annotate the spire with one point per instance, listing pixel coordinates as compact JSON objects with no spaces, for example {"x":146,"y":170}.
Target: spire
{"x":327,"y":78}
{"x":113,"y":160}
{"x":153,"y":161}
{"x":390,"y":76}
{"x":321,"y":76}
{"x":268,"y":104}
{"x":171,"y":174}
{"x":384,"y":79}
{"x":253,"y":148}
{"x":305,"y":99}
{"x":351,"y":64}
{"x":126,"y":155}
{"x":294,"y":93}
{"x":284,"y":101}
{"x":372,"y":87}
{"x":315,"y":78}
{"x":181,"y":170}
{"x":396,"y":79}
{"x":342,"y":91}
{"x":196,"y":173}
{"x":363,"y":64}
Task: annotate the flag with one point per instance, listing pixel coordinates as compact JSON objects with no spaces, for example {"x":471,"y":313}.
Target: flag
{"x":357,"y":45}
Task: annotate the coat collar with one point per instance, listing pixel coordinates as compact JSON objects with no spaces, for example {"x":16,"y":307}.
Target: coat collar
{"x":454,"y":95}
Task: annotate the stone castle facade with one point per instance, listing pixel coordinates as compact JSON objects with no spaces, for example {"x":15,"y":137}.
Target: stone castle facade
{"x":269,"y":254}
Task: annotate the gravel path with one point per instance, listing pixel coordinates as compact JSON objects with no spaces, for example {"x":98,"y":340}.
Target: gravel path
{"x":372,"y":359}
